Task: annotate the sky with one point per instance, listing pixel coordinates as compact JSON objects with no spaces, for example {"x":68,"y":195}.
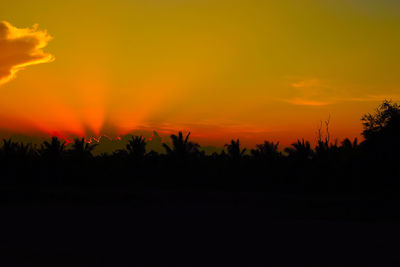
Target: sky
{"x":252,"y":69}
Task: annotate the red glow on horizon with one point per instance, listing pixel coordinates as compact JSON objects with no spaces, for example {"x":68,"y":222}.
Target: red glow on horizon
{"x":91,"y":139}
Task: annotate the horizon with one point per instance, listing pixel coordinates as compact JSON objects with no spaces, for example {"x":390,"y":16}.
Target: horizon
{"x":155,"y":140}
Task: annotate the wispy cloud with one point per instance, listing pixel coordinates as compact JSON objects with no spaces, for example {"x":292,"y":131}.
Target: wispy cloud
{"x":374,"y":98}
{"x":307,"y":83}
{"x":310,"y":92}
{"x":305,"y":102}
{"x":316,"y":92}
{"x":21,"y":47}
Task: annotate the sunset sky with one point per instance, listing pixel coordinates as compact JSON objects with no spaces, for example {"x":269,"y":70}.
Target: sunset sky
{"x":249,"y":69}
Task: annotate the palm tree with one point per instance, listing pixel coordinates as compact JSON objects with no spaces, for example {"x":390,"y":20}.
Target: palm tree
{"x":301,"y":150}
{"x":136,"y":147}
{"x":53,"y":149}
{"x":348,"y":145}
{"x":325,"y":149}
{"x":234,"y":150}
{"x":266,"y":151}
{"x":9,"y":148}
{"x":81,"y":149}
{"x":16,"y":161}
{"x":181,"y":147}
{"x":15,"y":149}
{"x":349,"y":149}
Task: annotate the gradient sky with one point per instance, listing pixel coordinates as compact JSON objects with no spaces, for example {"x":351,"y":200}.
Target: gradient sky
{"x":253,"y":69}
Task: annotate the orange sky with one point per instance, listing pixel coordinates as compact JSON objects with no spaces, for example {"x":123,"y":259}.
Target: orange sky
{"x":252,"y":69}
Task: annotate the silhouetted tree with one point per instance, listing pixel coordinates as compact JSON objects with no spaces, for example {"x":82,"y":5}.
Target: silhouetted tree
{"x":349,"y":149}
{"x":385,"y":122}
{"x":16,"y":159}
{"x":349,"y":152}
{"x":323,"y":149}
{"x":12,"y":149}
{"x":301,"y":150}
{"x":81,"y":149}
{"x":353,"y":168}
{"x":267,"y":151}
{"x":382,"y":131}
{"x":54,"y":149}
{"x":234,"y":150}
{"x":136,"y":147}
{"x":181,"y":147}
{"x":348,"y":145}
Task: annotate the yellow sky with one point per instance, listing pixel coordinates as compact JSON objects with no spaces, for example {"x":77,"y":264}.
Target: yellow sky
{"x":254,"y":69}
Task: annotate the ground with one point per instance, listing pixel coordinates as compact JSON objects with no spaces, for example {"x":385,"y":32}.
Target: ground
{"x":157,"y":228}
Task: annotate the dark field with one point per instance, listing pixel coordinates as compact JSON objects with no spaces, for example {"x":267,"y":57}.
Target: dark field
{"x":160,"y":228}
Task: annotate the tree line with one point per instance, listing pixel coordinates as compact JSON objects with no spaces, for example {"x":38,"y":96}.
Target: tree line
{"x":348,"y":167}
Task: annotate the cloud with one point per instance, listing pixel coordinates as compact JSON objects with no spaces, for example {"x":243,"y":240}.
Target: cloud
{"x":20,"y":48}
{"x":307,"y":83}
{"x":310,"y":92}
{"x":315,"y":92}
{"x":305,"y":102}
{"x":374,"y":98}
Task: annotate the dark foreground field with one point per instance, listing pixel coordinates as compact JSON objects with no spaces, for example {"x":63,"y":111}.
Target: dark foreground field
{"x":331,"y":205}
{"x":186,"y":228}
